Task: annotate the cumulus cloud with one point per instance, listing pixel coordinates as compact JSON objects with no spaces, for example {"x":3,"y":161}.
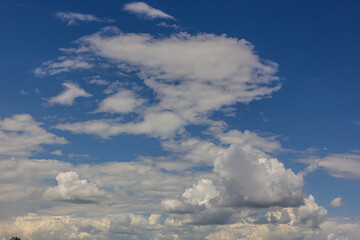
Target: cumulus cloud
{"x":71,"y":188}
{"x":73,"y":18}
{"x":144,"y":10}
{"x":62,"y":64}
{"x":244,"y":177}
{"x":68,"y":96}
{"x":252,"y":178}
{"x":124,"y":101}
{"x":21,"y":135}
{"x":336,"y":202}
{"x":201,"y":193}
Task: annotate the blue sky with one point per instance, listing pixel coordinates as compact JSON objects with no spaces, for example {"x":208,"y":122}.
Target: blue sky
{"x":179,"y":119}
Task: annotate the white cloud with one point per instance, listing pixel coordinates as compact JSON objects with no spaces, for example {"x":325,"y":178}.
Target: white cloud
{"x":73,"y":18}
{"x":191,"y":76}
{"x":71,"y":188}
{"x":330,"y":230}
{"x":252,"y":178}
{"x":165,"y":25}
{"x":344,"y":165}
{"x":269,"y":144}
{"x":21,"y":135}
{"x":68,"y":96}
{"x":336,"y":202}
{"x":157,"y":124}
{"x":201,"y":193}
{"x":57,"y":152}
{"x":62,"y":64}
{"x":144,"y":10}
{"x":98,"y":81}
{"x":124,"y":101}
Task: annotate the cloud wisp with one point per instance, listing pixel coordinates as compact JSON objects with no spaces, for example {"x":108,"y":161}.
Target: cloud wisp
{"x":144,"y":10}
{"x":74,"y":18}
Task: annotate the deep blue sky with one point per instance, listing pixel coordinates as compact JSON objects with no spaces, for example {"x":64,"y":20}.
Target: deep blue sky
{"x":315,"y":114}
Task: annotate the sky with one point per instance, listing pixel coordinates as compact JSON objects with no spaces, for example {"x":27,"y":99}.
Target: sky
{"x":179,"y":120}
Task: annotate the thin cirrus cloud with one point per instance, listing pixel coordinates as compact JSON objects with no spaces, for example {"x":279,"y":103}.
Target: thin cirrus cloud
{"x":68,"y":96}
{"x":144,"y":10}
{"x":73,"y":18}
{"x":62,"y":64}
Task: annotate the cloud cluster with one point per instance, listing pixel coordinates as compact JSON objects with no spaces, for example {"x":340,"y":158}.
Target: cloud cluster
{"x":144,"y":10}
{"x":21,"y":135}
{"x":190,"y":75}
{"x":244,"y":177}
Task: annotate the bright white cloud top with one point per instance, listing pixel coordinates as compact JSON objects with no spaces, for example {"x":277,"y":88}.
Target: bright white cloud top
{"x":165,"y":131}
{"x":144,"y":10}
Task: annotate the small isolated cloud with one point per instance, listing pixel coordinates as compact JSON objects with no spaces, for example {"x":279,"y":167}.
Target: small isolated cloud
{"x":165,"y":25}
{"x":83,"y":155}
{"x":21,"y":135}
{"x":97,"y":80}
{"x":68,"y":96}
{"x":144,"y":10}
{"x":62,"y":64}
{"x":123,"y":101}
{"x":57,"y":152}
{"x":71,"y":188}
{"x":336,"y":202}
{"x":72,"y":18}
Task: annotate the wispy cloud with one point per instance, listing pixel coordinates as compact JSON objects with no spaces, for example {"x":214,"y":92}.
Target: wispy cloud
{"x":144,"y":10}
{"x":62,"y":64}
{"x":73,"y":18}
{"x":68,"y":96}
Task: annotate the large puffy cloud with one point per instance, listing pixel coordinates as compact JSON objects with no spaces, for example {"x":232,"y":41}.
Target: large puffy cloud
{"x":68,"y":96}
{"x":244,"y":177}
{"x":71,"y":188}
{"x":144,"y":10}
{"x":252,"y":178}
{"x":21,"y":135}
